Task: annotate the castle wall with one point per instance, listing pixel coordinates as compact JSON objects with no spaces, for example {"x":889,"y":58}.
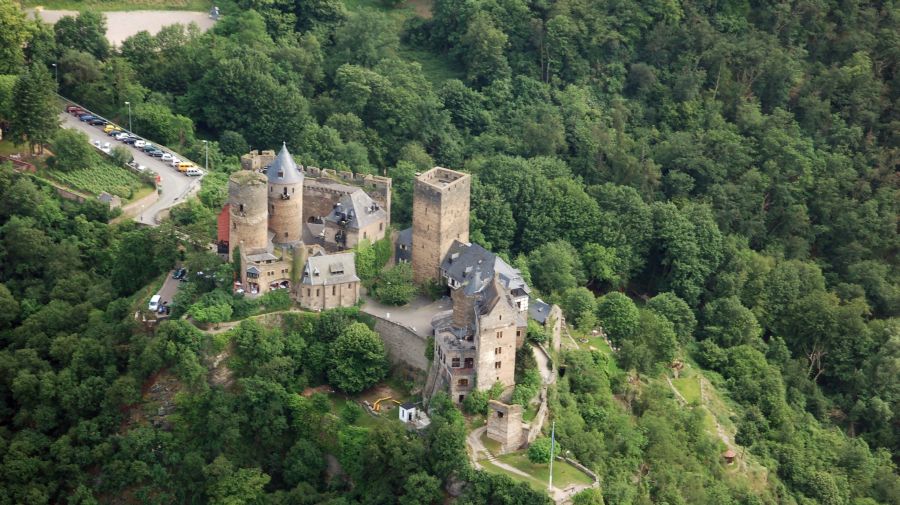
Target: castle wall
{"x":440,"y":216}
{"x":403,"y":345}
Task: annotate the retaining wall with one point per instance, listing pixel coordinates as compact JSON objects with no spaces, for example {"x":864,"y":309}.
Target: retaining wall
{"x":403,"y":345}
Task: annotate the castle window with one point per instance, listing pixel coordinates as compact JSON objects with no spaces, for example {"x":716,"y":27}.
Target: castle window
{"x":454,"y":362}
{"x":461,"y":398}
{"x":241,"y":207}
{"x":333,"y":290}
{"x":271,"y":209}
{"x":462,"y":382}
{"x":497,"y":365}
{"x":500,"y":414}
{"x":317,"y":291}
{"x":501,"y":317}
{"x":364,"y":235}
{"x":499,"y":334}
{"x":234,"y":226}
{"x":470,"y":363}
{"x":307,"y":291}
{"x":518,"y":333}
{"x":497,"y":350}
{"x":285,"y":234}
{"x":380,"y":226}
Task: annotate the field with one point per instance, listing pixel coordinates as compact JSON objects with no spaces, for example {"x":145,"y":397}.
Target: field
{"x":564,"y":474}
{"x":103,"y":177}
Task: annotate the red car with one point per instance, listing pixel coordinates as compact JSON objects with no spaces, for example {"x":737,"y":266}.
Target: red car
{"x":75,"y":110}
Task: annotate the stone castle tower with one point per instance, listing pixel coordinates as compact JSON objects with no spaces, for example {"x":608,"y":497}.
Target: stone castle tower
{"x":247,"y":208}
{"x":285,"y":198}
{"x":440,"y":216}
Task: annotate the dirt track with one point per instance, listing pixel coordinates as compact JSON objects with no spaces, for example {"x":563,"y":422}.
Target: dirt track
{"x":121,"y":25}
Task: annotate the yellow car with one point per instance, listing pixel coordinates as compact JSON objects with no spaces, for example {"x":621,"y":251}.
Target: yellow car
{"x":184,"y":166}
{"x":110,"y":127}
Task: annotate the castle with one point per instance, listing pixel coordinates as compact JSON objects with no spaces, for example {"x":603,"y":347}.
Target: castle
{"x":291,"y":227}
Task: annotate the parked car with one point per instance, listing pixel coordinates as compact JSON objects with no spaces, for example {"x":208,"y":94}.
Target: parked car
{"x":175,"y":162}
{"x":140,"y":144}
{"x":193,"y":172}
{"x":149,"y":147}
{"x":86,"y":117}
{"x":156,"y":153}
{"x":96,"y":144}
{"x":154,"y":303}
{"x":110,"y":127}
{"x":121,"y":136}
{"x":179,"y":273}
{"x":184,"y":166}
{"x":97,"y":121}
{"x":72,"y":108}
{"x":130,"y":139}
{"x":166,"y":157}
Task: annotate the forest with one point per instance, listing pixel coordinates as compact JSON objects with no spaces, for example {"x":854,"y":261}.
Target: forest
{"x":709,"y":182}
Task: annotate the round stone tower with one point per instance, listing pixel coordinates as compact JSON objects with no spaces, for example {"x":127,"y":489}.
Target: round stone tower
{"x":247,"y":209}
{"x":285,"y":198}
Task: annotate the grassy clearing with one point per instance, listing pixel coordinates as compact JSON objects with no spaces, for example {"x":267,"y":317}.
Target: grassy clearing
{"x":564,"y":474}
{"x":591,"y":343}
{"x":530,"y":412}
{"x":436,"y":67}
{"x":490,"y":444}
{"x":123,"y":5}
{"x":689,"y":387}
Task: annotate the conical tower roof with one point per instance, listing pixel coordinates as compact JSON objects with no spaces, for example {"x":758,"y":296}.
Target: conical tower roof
{"x":284,"y":170}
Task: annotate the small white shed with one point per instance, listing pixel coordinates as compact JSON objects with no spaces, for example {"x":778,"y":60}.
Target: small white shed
{"x":407,"y":412}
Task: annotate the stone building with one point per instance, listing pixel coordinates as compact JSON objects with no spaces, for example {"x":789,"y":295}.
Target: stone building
{"x":271,"y":204}
{"x":475,"y":343}
{"x":356,"y":217}
{"x":328,"y":281}
{"x":440,"y":216}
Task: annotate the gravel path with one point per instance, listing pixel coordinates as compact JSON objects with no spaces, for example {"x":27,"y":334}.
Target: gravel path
{"x":123,"y":24}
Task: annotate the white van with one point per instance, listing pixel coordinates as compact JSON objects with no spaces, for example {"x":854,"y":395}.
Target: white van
{"x":154,"y":303}
{"x":193,"y":172}
{"x":140,"y":143}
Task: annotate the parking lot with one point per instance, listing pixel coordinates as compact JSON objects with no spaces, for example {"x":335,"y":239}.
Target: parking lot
{"x":176,"y":187}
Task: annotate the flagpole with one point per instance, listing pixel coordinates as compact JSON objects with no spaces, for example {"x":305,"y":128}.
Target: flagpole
{"x":552,"y":448}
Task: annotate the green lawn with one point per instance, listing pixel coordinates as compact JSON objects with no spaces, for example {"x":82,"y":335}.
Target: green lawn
{"x":689,"y":388}
{"x":122,"y":5}
{"x":490,"y":444}
{"x":436,"y":67}
{"x":564,"y":474}
{"x":530,"y":412}
{"x":597,"y":343}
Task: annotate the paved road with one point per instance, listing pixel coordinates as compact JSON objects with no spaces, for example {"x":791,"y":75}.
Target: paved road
{"x":169,"y":289}
{"x":124,"y":24}
{"x":175,"y":186}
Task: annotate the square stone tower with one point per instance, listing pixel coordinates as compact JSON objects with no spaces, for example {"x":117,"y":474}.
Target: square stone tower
{"x":440,"y":216}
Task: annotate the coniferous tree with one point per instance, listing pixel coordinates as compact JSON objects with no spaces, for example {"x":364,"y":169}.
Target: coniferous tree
{"x":34,"y":117}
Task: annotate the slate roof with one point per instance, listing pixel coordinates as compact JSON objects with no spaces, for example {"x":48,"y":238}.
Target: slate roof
{"x":474,"y":266}
{"x":404,"y":237}
{"x":358,"y":209}
{"x":284,"y":170}
{"x":328,"y":269}
{"x":538,"y":310}
{"x":408,"y":406}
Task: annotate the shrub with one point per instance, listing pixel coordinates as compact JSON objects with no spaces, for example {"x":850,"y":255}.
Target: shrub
{"x":476,"y":402}
{"x":539,"y":451}
{"x":395,"y":285}
{"x":280,"y":299}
